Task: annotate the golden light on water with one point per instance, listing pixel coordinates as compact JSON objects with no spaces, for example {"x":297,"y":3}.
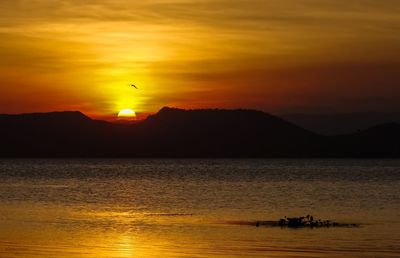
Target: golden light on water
{"x":127,"y":114}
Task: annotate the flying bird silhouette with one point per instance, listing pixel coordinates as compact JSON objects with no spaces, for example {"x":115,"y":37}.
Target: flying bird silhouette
{"x":133,"y":85}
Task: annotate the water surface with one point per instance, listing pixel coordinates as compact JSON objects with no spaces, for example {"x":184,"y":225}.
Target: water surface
{"x":194,"y":208}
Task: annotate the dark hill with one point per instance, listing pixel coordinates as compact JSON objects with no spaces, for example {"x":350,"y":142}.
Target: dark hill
{"x":342,"y":123}
{"x":231,"y":133}
{"x":184,"y":133}
{"x":50,"y":116}
{"x":381,"y":141}
{"x":56,"y":134}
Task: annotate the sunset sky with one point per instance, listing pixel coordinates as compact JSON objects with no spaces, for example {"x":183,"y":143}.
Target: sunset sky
{"x":279,"y":56}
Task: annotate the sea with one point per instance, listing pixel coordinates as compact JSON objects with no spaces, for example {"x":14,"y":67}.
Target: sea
{"x":197,"y":207}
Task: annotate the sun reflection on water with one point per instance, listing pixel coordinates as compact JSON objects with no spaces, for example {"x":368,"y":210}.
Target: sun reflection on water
{"x":160,"y":208}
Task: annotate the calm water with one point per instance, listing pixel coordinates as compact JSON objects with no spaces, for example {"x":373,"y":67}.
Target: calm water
{"x":189,"y":208}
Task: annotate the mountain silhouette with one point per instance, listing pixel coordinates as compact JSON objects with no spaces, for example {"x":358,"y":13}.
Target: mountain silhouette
{"x":342,"y":123}
{"x":178,"y":133}
{"x":381,"y":141}
{"x":231,"y":133}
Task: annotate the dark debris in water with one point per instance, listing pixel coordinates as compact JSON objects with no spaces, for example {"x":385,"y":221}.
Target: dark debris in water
{"x":304,"y":222}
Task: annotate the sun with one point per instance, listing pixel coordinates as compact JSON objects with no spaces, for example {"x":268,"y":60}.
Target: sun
{"x":127,"y":114}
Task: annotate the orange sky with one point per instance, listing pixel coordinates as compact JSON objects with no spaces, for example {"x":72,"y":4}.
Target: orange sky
{"x":275,"y":55}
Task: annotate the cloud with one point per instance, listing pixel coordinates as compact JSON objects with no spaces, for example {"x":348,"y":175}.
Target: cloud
{"x":286,"y":53}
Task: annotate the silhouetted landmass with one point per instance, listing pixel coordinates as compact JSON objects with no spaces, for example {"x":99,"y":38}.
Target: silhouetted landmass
{"x":208,"y":133}
{"x":337,"y":124}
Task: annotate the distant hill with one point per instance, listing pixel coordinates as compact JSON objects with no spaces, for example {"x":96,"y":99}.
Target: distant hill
{"x":381,"y":141}
{"x":231,"y":133}
{"x":173,"y":133}
{"x":345,"y":123}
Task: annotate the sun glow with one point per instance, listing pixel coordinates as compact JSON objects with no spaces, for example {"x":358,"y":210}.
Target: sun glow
{"x":127,"y":114}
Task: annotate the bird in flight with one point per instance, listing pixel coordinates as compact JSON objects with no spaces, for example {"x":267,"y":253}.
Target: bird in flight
{"x":133,"y":85}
